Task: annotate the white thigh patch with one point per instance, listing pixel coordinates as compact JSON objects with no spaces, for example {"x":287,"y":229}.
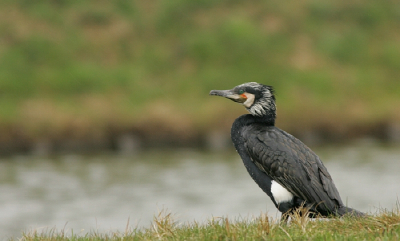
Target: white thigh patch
{"x":280,"y":193}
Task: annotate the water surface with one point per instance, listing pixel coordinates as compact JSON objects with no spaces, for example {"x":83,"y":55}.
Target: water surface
{"x":103,"y":192}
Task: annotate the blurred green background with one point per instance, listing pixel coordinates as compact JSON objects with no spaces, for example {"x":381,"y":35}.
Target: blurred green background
{"x":91,"y":71}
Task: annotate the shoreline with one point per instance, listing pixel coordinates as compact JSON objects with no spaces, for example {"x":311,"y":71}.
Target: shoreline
{"x":131,"y":140}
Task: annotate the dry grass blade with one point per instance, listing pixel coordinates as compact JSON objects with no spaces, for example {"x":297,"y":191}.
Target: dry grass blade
{"x":163,"y":224}
{"x":300,"y":218}
{"x":227,"y":226}
{"x":286,"y":232}
{"x":263,"y":225}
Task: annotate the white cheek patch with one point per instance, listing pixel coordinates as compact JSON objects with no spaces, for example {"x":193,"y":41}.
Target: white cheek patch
{"x":280,"y":193}
{"x":250,"y":100}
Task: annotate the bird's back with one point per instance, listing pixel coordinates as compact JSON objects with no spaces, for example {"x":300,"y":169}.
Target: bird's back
{"x":289,"y":162}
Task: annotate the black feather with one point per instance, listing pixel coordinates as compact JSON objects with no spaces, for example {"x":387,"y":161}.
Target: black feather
{"x":270,"y":154}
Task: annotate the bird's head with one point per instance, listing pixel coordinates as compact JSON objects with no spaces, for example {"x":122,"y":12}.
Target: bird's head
{"x":258,"y":99}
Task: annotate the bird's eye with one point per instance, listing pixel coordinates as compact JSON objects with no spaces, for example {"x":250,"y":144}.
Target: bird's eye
{"x":241,"y":91}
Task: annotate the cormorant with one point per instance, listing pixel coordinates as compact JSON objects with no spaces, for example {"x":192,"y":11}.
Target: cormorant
{"x":286,"y":169}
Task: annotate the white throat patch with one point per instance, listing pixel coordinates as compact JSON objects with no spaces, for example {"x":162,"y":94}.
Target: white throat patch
{"x":250,"y":100}
{"x":280,"y":193}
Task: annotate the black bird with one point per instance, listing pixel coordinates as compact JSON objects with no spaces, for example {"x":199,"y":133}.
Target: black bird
{"x":286,"y":169}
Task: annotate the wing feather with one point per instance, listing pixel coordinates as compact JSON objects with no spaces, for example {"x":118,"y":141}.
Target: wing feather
{"x":292,"y":164}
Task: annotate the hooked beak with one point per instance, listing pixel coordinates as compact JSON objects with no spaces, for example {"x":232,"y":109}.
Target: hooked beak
{"x":228,"y":94}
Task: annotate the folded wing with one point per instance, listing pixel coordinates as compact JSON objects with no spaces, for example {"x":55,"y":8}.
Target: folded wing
{"x":292,"y":164}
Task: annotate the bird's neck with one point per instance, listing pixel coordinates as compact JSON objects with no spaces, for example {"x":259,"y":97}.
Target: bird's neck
{"x":242,"y":122}
{"x":268,"y":119}
{"x":248,"y":119}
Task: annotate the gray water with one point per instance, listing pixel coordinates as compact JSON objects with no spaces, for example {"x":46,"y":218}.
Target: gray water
{"x":101,"y":193}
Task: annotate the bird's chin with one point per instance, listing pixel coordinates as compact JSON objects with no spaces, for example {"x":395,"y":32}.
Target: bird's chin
{"x":236,"y":98}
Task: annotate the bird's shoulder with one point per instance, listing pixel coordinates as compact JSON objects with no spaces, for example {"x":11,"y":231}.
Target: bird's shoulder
{"x":272,"y":143}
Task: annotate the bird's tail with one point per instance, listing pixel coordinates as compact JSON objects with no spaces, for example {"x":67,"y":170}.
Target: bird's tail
{"x":342,"y":211}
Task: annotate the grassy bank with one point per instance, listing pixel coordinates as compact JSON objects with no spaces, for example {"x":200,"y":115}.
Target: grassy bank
{"x":383,"y":226}
{"x":90,"y":70}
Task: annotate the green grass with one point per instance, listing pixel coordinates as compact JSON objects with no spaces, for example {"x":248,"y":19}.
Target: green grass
{"x":383,"y":226}
{"x":336,"y":59}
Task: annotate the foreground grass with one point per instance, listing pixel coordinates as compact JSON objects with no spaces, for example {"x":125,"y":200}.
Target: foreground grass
{"x":383,"y":226}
